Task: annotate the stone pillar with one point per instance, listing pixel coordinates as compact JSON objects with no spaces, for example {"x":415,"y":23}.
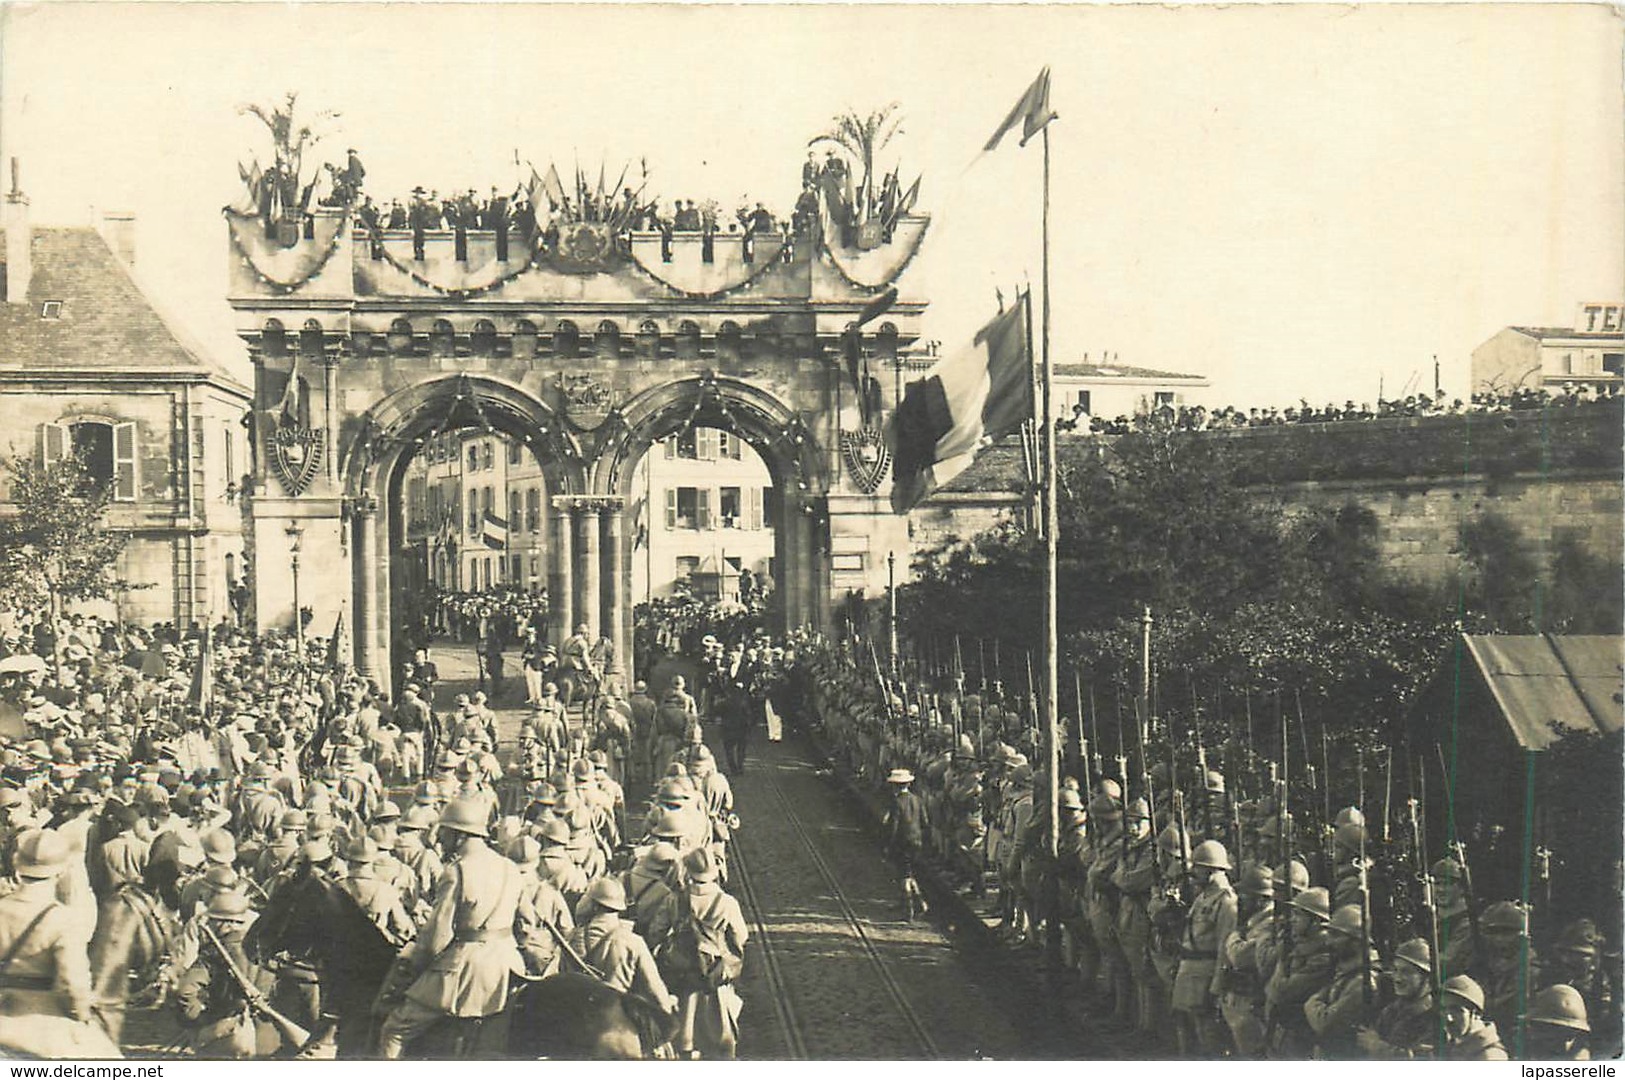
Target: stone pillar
{"x":615,"y":601}
{"x":591,"y":608}
{"x":795,"y":568}
{"x":561,"y":592}
{"x":364,"y":543}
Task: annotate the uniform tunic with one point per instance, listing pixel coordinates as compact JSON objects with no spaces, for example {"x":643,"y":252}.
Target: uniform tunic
{"x":1211,"y":919}
{"x":466,"y":951}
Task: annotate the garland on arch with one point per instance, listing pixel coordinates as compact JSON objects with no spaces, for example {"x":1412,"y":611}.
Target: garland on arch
{"x":374,"y":234}
{"x":238,"y":221}
{"x":828,"y":252}
{"x":761,"y":271}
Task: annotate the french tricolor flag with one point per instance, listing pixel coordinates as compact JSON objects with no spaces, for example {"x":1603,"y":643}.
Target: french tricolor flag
{"x":964,"y":402}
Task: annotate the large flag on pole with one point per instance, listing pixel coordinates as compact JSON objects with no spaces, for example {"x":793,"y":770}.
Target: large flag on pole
{"x":201,"y":691}
{"x":1032,"y":112}
{"x":975,"y":396}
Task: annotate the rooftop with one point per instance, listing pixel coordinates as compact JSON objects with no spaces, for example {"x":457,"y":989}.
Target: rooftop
{"x":1568,"y":332}
{"x":1121,"y":371}
{"x":105,"y":321}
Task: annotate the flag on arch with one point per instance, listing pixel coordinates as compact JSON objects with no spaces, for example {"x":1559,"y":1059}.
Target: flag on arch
{"x":971,"y":398}
{"x":1032,"y":112}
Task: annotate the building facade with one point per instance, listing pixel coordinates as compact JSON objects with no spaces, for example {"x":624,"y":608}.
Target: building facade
{"x":88,"y":365}
{"x":1109,"y":390}
{"x":1590,"y":353}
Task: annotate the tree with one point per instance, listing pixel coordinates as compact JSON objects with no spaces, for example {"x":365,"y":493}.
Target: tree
{"x":289,"y":141}
{"x":863,"y":137}
{"x":56,"y":546}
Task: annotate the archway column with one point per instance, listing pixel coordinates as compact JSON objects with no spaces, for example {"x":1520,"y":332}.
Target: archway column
{"x":364,"y":542}
{"x":614,"y":512}
{"x":561,"y":586}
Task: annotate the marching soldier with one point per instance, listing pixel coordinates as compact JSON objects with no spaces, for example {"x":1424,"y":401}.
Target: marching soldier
{"x":378,"y":898}
{"x":544,"y":915}
{"x":1501,"y":962}
{"x":1211,"y":919}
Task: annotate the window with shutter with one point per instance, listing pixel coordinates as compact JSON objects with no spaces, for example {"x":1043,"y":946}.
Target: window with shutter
{"x":702,"y":514}
{"x":54,"y":439}
{"x":671,"y":448}
{"x":671,"y":508}
{"x":124,"y":462}
{"x":755,"y":520}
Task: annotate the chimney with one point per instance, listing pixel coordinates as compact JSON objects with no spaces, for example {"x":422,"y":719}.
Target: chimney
{"x":118,"y":229}
{"x":19,"y":249}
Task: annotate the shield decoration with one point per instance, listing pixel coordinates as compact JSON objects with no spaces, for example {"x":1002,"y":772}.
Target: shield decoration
{"x":584,"y":247}
{"x":867,"y":458}
{"x":296,"y":454}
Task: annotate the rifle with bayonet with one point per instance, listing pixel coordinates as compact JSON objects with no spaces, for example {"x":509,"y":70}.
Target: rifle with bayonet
{"x":294,"y":1034}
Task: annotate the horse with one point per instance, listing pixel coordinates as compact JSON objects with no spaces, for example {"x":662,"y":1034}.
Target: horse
{"x":573,"y":1016}
{"x":310,"y":919}
{"x":134,"y":930}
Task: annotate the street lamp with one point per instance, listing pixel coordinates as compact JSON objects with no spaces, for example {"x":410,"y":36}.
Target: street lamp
{"x":295,"y":535}
{"x":891,"y":605}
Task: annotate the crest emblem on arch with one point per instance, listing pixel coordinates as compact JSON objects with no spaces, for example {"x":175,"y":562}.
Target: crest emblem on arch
{"x":586,"y":401}
{"x":296,"y":454}
{"x":867,"y":458}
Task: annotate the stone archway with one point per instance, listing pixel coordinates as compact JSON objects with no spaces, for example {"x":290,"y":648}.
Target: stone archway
{"x":385,"y":439}
{"x":788,"y":447}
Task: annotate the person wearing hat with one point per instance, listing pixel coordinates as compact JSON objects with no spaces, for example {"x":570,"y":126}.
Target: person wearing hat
{"x":550,"y":724}
{"x":1298,"y":974}
{"x":380,"y":899}
{"x":47,"y":974}
{"x":649,"y":886}
{"x":710,"y":1005}
{"x":1574,"y":960}
{"x":419,"y":859}
{"x":643,"y":707}
{"x":1468,"y":1035}
{"x":1076,"y":854}
{"x":608,"y":944}
{"x":544,"y":915}
{"x":216,"y":1010}
{"x":465,"y":954}
{"x":1558,"y":1025}
{"x":1346,"y":1003}
{"x":1014,"y":814}
{"x":1501,"y":967}
{"x":1211,"y":919}
{"x":1134,"y":879}
{"x":1109,"y":826}
{"x":1407,"y":1027}
{"x":1459,"y":944}
{"x":1242,"y":1003}
{"x":904,"y":827}
{"x":556,"y":865}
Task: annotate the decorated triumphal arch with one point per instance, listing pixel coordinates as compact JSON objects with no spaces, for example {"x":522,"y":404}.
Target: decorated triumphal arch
{"x":587,"y":339}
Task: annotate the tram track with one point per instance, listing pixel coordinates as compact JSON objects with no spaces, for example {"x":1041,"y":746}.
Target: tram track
{"x":783,"y":1007}
{"x":854,"y":923}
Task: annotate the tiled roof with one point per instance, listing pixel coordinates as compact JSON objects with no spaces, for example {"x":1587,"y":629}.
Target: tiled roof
{"x":1118,"y":371}
{"x":106,"y":322}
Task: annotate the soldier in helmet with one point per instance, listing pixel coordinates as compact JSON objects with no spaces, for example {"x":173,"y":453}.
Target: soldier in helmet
{"x":465,"y":954}
{"x":1557,"y":1025}
{"x":1211,"y":920}
{"x":607,"y":943}
{"x":380,"y":899}
{"x":1135,"y":878}
{"x":1573,"y":960}
{"x":1076,"y":853}
{"x":1457,"y":941}
{"x":1166,"y":910}
{"x":544,"y":915}
{"x":1106,"y":813}
{"x":1407,"y":1027}
{"x":1242,"y":1003}
{"x":1346,"y":1003}
{"x":1468,"y":1035}
{"x":1500,"y":970}
{"x":1297,"y":975}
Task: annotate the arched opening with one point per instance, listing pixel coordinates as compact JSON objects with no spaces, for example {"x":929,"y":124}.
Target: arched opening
{"x":607,"y":341}
{"x":688,"y":340}
{"x":566,"y":340}
{"x":648,"y":340}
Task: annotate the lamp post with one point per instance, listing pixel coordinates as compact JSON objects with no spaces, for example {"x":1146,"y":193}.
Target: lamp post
{"x":295,"y":535}
{"x":891,"y":609}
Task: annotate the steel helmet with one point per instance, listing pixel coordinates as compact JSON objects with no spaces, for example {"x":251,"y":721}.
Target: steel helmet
{"x":556,"y":832}
{"x":1579,"y":936}
{"x":291,"y":820}
{"x":1257,"y":880}
{"x":525,"y":851}
{"x":229,"y":906}
{"x":316,"y":851}
{"x":1071,"y":800}
{"x":667,"y":826}
{"x":1349,"y":836}
{"x":662,"y":854}
{"x":1346,"y":920}
{"x":1560,"y":1005}
{"x":1315,"y":901}
{"x":1466,"y":989}
{"x":220,"y":877}
{"x":700,"y":865}
{"x":388,"y":810}
{"x":1416,"y":953}
{"x":361,"y":850}
{"x":1138,"y":810}
{"x":419,"y":817}
{"x":1110,"y":788}
{"x":1296,"y":875}
{"x":607,"y":893}
{"x":219,"y":847}
{"x":1349,"y":815}
{"x":1211,"y":854}
{"x":465,"y":815}
{"x":1503,"y":916}
{"x":1104,"y":808}
{"x":383,"y":836}
{"x":1447,"y":869}
{"x":1172,"y":841}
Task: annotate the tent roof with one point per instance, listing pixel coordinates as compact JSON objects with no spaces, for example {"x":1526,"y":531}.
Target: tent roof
{"x":1547,"y":686}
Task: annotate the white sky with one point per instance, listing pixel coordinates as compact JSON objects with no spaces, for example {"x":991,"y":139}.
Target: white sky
{"x":1291,"y":201}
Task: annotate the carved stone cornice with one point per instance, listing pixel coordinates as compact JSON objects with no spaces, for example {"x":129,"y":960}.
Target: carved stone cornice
{"x":590,"y":504}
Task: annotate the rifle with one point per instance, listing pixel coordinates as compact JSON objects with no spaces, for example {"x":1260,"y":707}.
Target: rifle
{"x":981,"y":669}
{"x":1094,"y":728}
{"x":1032,"y":703}
{"x":1430,"y":909}
{"x":1387,"y":793}
{"x":998,"y":673}
{"x":291,"y":1031}
{"x":575,"y":958}
{"x":1365,"y":894}
{"x":1083,"y":742}
{"x":1459,"y":849}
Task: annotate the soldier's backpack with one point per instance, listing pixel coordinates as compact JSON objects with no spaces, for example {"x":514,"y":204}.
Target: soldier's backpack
{"x":698,"y":954}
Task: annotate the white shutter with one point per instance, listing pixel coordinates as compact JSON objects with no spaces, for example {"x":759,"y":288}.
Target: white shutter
{"x":124,"y":462}
{"x":671,"y":448}
{"x":671,"y":508}
{"x":755,"y":521}
{"x":703,"y":512}
{"x":707,"y":444}
{"x":56,"y":441}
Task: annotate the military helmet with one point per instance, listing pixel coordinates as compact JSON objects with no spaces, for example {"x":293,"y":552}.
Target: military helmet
{"x":1110,"y":788}
{"x":388,"y":810}
{"x":316,"y":851}
{"x":1315,"y":901}
{"x":700,"y":865}
{"x":1560,"y":1005}
{"x":228,"y":906}
{"x":662,"y":854}
{"x":383,"y":836}
{"x":1465,"y":989}
{"x":1211,"y":854}
{"x":1295,"y":874}
{"x":1579,"y":936}
{"x":219,"y":846}
{"x":1349,"y":836}
{"x":667,"y":826}
{"x":419,"y":817}
{"x":361,"y":850}
{"x":1172,"y":841}
{"x":1349,"y":815}
{"x":1071,"y":800}
{"x":466,"y":815}
{"x":607,"y":893}
{"x":220,"y":876}
{"x":1503,"y":916}
{"x":1347,"y":920}
{"x":1416,"y":953}
{"x":1257,"y":880}
{"x":525,"y":851}
{"x":292,"y":819}
{"x":1104,"y":808}
{"x":1447,"y":869}
{"x":1138,"y":810}
{"x":556,"y":832}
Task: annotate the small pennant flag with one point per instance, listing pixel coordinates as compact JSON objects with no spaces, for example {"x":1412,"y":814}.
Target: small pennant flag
{"x":976,"y":396}
{"x":1032,"y":112}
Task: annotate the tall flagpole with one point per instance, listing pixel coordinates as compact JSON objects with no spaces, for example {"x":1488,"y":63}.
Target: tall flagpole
{"x":1051,"y":528}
